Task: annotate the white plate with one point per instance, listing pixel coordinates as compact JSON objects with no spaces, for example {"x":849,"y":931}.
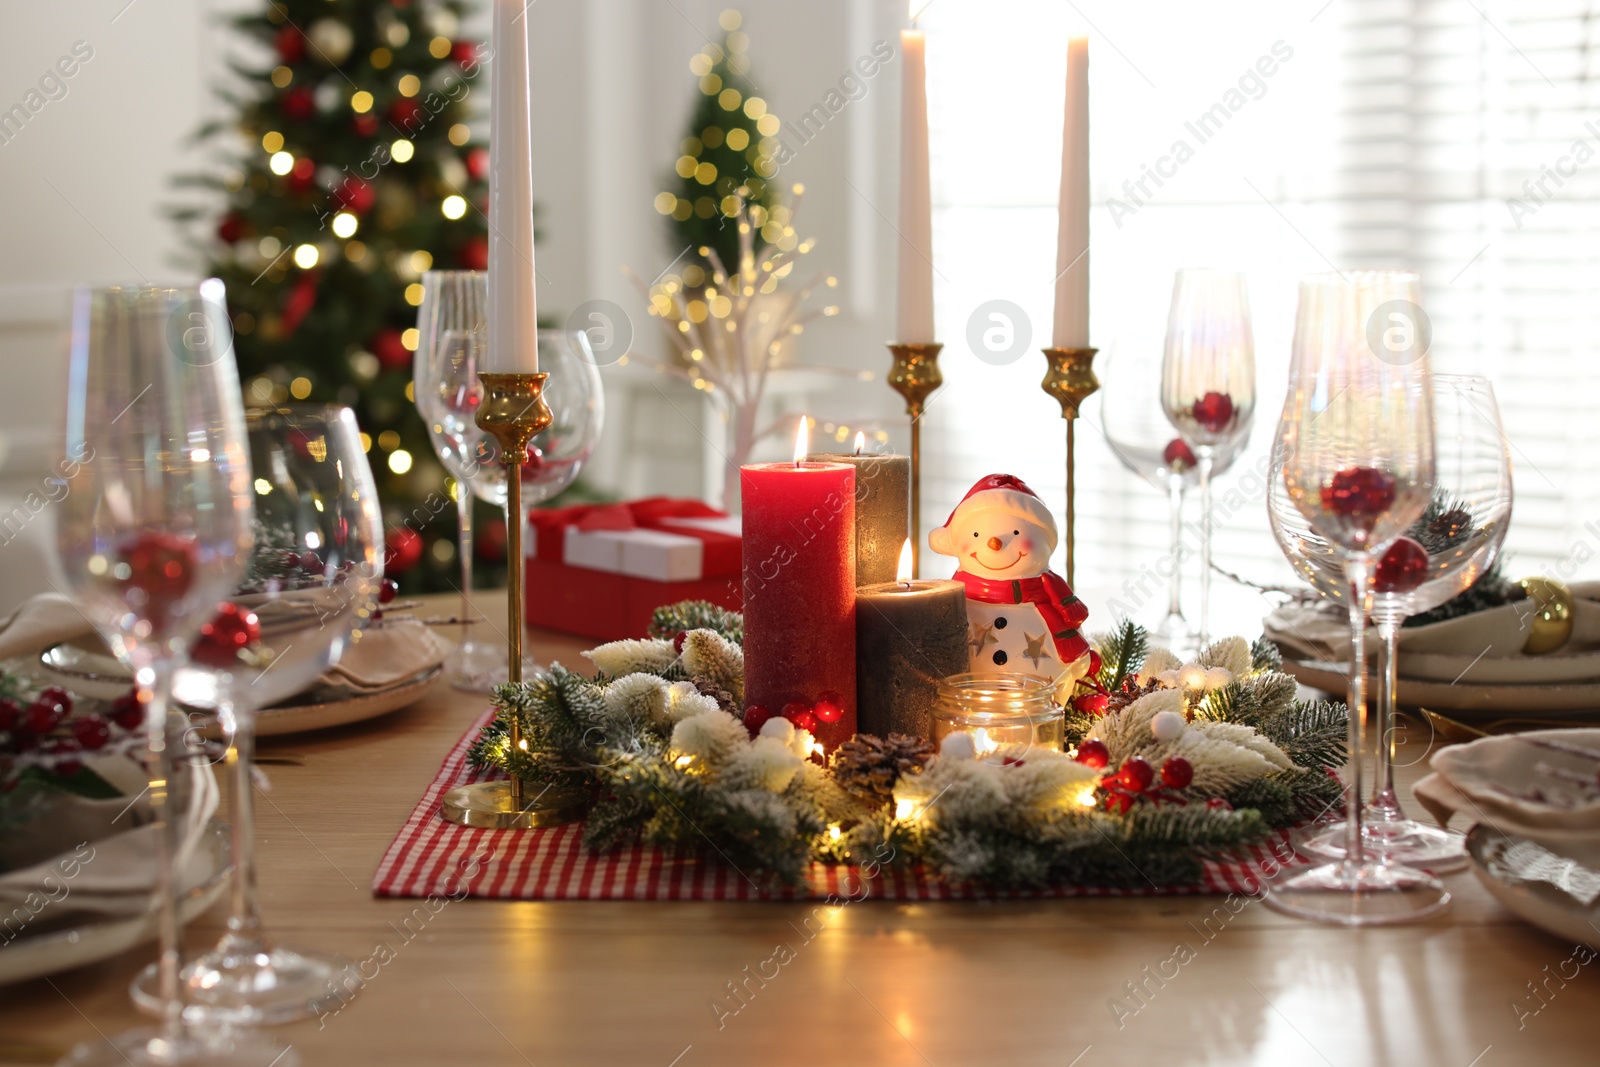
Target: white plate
{"x":1553,"y":669}
{"x":1578,"y":701}
{"x":90,"y":942}
{"x":1533,"y":901}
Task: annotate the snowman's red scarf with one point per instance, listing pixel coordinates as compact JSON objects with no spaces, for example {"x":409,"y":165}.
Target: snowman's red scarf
{"x":1062,"y":611}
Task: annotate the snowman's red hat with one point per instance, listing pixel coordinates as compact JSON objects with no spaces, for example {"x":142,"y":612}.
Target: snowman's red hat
{"x":1009,"y":494}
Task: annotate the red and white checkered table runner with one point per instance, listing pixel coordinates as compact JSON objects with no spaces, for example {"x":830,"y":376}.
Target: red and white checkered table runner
{"x":433,"y":857}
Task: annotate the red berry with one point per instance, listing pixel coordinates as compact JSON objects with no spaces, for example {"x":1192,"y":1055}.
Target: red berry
{"x":58,"y":696}
{"x":1136,"y":773}
{"x":829,"y":707}
{"x":1092,"y":703}
{"x":127,"y":712}
{"x":1218,"y":804}
{"x":677,"y":641}
{"x":464,"y":52}
{"x":755,"y":717}
{"x":793,"y":709}
{"x":298,"y":104}
{"x":42,"y":717}
{"x":230,"y":228}
{"x":478,"y":164}
{"x":1093,"y":753}
{"x":1402,"y":568}
{"x":1214,"y":411}
{"x":233,"y":630}
{"x":474,"y":254}
{"x":1176,"y":772}
{"x":290,"y":43}
{"x":806,"y":720}
{"x":68,"y":767}
{"x":1178,"y":455}
{"x":365,"y":125}
{"x":160,"y":568}
{"x":1359,"y":492}
{"x":10,"y":714}
{"x":356,"y":195}
{"x":405,"y":111}
{"x":388,"y":589}
{"x":91,"y":731}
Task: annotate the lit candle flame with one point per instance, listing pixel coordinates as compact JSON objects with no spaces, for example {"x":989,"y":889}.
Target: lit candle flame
{"x":982,"y":743}
{"x":903,"y":572}
{"x":861,"y":441}
{"x":802,"y":439}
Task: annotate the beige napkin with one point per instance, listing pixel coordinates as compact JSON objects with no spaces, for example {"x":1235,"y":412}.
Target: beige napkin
{"x":1321,"y":631}
{"x":45,"y":620}
{"x":392,"y":651}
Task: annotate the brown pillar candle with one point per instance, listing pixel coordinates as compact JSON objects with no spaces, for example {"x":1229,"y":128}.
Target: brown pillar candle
{"x":909,"y":637}
{"x":883,"y":509}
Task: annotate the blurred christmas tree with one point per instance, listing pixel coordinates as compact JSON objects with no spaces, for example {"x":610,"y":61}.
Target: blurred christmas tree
{"x":727,"y":156}
{"x":359,"y":172}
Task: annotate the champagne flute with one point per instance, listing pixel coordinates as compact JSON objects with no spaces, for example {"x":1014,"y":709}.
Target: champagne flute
{"x":312,"y":586}
{"x":555,"y":457}
{"x":1357,"y":436}
{"x":1449,"y":548}
{"x":1208,"y":384}
{"x":1140,"y":436}
{"x":155,"y":529}
{"x":451,"y":326}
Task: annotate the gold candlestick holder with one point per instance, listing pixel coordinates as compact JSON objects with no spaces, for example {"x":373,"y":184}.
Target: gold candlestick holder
{"x":915,"y":375}
{"x":1070,"y":379}
{"x":513,"y":411}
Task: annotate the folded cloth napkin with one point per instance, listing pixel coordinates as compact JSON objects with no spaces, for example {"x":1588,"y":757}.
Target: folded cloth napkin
{"x":104,"y":866}
{"x":1321,"y":631}
{"x":386,"y":654}
{"x":1544,"y":779}
{"x":381,"y":657}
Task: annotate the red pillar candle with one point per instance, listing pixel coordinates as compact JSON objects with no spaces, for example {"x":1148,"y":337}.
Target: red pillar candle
{"x":800,"y":593}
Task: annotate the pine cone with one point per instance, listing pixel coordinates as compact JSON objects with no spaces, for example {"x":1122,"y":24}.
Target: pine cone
{"x":869,"y":766}
{"x":1130,"y":692}
{"x":723,"y":698}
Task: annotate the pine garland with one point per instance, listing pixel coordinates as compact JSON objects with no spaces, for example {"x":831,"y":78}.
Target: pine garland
{"x":671,"y":620}
{"x":657,"y":739}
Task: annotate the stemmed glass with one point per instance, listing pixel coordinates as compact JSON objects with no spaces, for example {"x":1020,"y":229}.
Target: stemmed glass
{"x":1208,"y":384}
{"x":1140,"y":436}
{"x":451,"y":324}
{"x":1357,"y":436}
{"x":155,"y":529}
{"x":1449,"y":548}
{"x":577,"y":408}
{"x":312,"y":584}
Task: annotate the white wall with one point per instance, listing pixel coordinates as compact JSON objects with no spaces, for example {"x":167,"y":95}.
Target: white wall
{"x":82,"y":185}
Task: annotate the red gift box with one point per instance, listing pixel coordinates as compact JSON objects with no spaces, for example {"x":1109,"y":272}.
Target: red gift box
{"x":601,"y":570}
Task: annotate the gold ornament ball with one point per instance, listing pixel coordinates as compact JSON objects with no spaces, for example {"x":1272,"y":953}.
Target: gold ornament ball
{"x":1550,"y":622}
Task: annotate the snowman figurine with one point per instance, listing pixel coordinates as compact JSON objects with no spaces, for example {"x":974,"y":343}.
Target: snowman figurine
{"x":1022,"y":618}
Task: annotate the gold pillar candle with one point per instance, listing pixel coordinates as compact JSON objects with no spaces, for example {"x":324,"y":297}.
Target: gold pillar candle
{"x":910,"y":636}
{"x":883,"y":498}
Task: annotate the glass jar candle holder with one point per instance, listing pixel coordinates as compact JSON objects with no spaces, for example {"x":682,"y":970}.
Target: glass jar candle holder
{"x":999,"y":709}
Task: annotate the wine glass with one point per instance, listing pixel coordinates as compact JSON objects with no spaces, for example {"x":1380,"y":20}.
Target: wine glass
{"x":154,"y":530}
{"x":1450,"y":547}
{"x":555,"y":457}
{"x":1357,"y":437}
{"x":1208,"y":384}
{"x":1140,"y":436}
{"x":311,"y":586}
{"x":451,"y":326}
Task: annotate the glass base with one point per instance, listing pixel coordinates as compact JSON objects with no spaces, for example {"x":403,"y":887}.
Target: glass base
{"x":154,"y":1048}
{"x":1400,"y":841}
{"x":1349,"y":894}
{"x":475,"y":661}
{"x":486,"y":680}
{"x":250,"y":983}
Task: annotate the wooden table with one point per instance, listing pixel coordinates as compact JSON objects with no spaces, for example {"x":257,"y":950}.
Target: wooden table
{"x":944,"y":984}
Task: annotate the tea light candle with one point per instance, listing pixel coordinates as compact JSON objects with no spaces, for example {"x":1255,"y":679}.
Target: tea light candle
{"x":999,"y":709}
{"x":800,"y":589}
{"x":910,"y":635}
{"x":883,"y":499}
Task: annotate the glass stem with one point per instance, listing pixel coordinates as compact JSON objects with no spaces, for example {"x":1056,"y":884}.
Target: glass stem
{"x":245,"y":921}
{"x":1357,"y":569}
{"x":1175,"y":586}
{"x":166,"y":731}
{"x":464,"y":546}
{"x":1205,"y":458}
{"x":1384,"y":804}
